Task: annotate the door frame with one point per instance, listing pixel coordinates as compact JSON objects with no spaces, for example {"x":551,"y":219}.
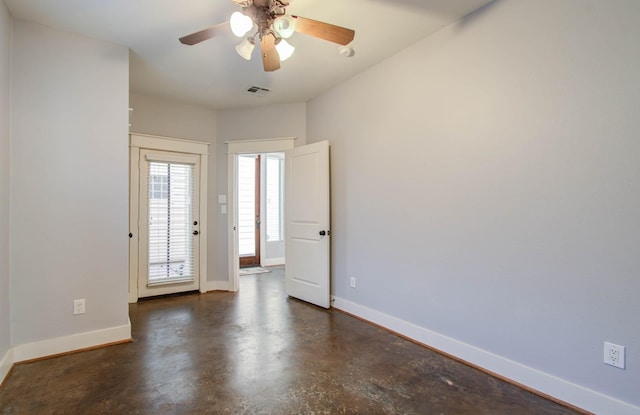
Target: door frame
{"x":137,"y":142}
{"x":235,"y":148}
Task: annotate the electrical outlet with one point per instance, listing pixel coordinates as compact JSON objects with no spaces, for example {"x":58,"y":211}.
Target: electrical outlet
{"x":352,"y":283}
{"x":614,"y":355}
{"x":78,"y":306}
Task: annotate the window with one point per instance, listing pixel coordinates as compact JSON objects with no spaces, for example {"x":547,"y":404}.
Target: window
{"x":247,"y":205}
{"x":275,"y":196}
{"x":158,"y":186}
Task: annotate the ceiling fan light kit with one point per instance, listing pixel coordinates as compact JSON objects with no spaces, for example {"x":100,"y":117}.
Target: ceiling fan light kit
{"x":240,"y":23}
{"x":246,"y":47}
{"x":273,"y":27}
{"x":285,"y":26}
{"x":284,"y":48}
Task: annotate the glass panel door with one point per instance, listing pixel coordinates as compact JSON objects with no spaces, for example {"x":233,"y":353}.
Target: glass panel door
{"x":169,"y":197}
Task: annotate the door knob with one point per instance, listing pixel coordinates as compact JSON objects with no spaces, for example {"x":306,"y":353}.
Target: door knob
{"x":322,"y":233}
{"x":196,"y":232}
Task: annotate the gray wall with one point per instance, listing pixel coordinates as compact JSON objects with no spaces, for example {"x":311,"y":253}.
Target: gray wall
{"x":275,"y":121}
{"x":69,"y":183}
{"x":488,"y":187}
{"x":5,"y":59}
{"x":163,"y":117}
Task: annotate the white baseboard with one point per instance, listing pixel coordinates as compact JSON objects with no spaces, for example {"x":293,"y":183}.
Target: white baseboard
{"x":217,"y":286}
{"x":550,"y":385}
{"x":71,"y":343}
{"x":5,"y":365}
{"x":272,"y":262}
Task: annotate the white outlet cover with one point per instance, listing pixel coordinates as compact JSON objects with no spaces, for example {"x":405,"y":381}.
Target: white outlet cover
{"x":79,"y":306}
{"x":614,"y":355}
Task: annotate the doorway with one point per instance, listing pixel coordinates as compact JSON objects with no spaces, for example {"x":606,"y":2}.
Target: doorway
{"x":169,"y":223}
{"x":306,"y":217}
{"x":167,"y":216}
{"x":271,"y":237}
{"x":261,"y":210}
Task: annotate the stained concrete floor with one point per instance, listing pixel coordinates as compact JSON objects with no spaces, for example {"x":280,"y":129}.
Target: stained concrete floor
{"x":258,"y":352}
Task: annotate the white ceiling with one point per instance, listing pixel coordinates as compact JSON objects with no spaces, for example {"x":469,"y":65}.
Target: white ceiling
{"x":211,"y":73}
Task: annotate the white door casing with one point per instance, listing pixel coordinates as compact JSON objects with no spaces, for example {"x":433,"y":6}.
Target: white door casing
{"x":182,"y":151}
{"x":307,"y":220}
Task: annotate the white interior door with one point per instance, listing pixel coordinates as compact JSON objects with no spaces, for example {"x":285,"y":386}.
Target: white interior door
{"x":169,"y":223}
{"x":307,"y":219}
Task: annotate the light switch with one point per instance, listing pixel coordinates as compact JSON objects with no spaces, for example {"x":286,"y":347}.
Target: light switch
{"x":222,"y":199}
{"x":223,"y":209}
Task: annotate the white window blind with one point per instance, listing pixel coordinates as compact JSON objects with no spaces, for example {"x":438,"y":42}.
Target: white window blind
{"x":170,"y":193}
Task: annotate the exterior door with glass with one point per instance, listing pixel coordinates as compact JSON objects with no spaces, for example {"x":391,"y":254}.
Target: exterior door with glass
{"x":169,"y":195}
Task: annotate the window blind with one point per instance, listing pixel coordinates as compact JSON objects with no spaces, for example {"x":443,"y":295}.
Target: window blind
{"x":171,"y":250}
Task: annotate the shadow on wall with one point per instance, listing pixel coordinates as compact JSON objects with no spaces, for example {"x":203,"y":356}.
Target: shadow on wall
{"x":468,"y":19}
{"x":446,"y":8}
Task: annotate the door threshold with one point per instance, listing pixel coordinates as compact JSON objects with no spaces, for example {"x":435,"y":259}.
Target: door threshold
{"x":158,"y":297}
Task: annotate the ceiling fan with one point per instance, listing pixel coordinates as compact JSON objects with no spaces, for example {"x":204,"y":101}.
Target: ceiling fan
{"x":273,"y":26}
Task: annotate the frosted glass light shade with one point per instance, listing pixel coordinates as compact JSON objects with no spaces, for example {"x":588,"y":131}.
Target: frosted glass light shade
{"x":285,"y":50}
{"x":285,"y":26}
{"x":246,"y":47}
{"x":240,"y":24}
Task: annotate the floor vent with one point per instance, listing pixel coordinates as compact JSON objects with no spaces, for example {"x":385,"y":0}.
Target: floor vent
{"x":257,"y":91}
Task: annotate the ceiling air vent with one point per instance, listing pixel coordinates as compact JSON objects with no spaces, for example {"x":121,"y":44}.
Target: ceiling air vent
{"x":257,"y":91}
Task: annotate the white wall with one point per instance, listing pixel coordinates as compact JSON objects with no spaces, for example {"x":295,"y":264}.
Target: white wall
{"x":486,"y":188}
{"x":5,"y":65}
{"x":69,"y":184}
{"x":168,"y":118}
{"x":275,"y":121}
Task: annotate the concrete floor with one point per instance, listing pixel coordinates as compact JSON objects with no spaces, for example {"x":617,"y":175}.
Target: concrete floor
{"x":258,"y":352}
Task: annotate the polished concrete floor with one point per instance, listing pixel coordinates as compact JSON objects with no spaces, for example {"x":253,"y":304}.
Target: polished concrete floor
{"x":258,"y":352}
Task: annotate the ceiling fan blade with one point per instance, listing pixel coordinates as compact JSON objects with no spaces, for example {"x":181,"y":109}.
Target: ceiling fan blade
{"x":326,"y":31}
{"x":208,"y":33}
{"x":270,"y":57}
